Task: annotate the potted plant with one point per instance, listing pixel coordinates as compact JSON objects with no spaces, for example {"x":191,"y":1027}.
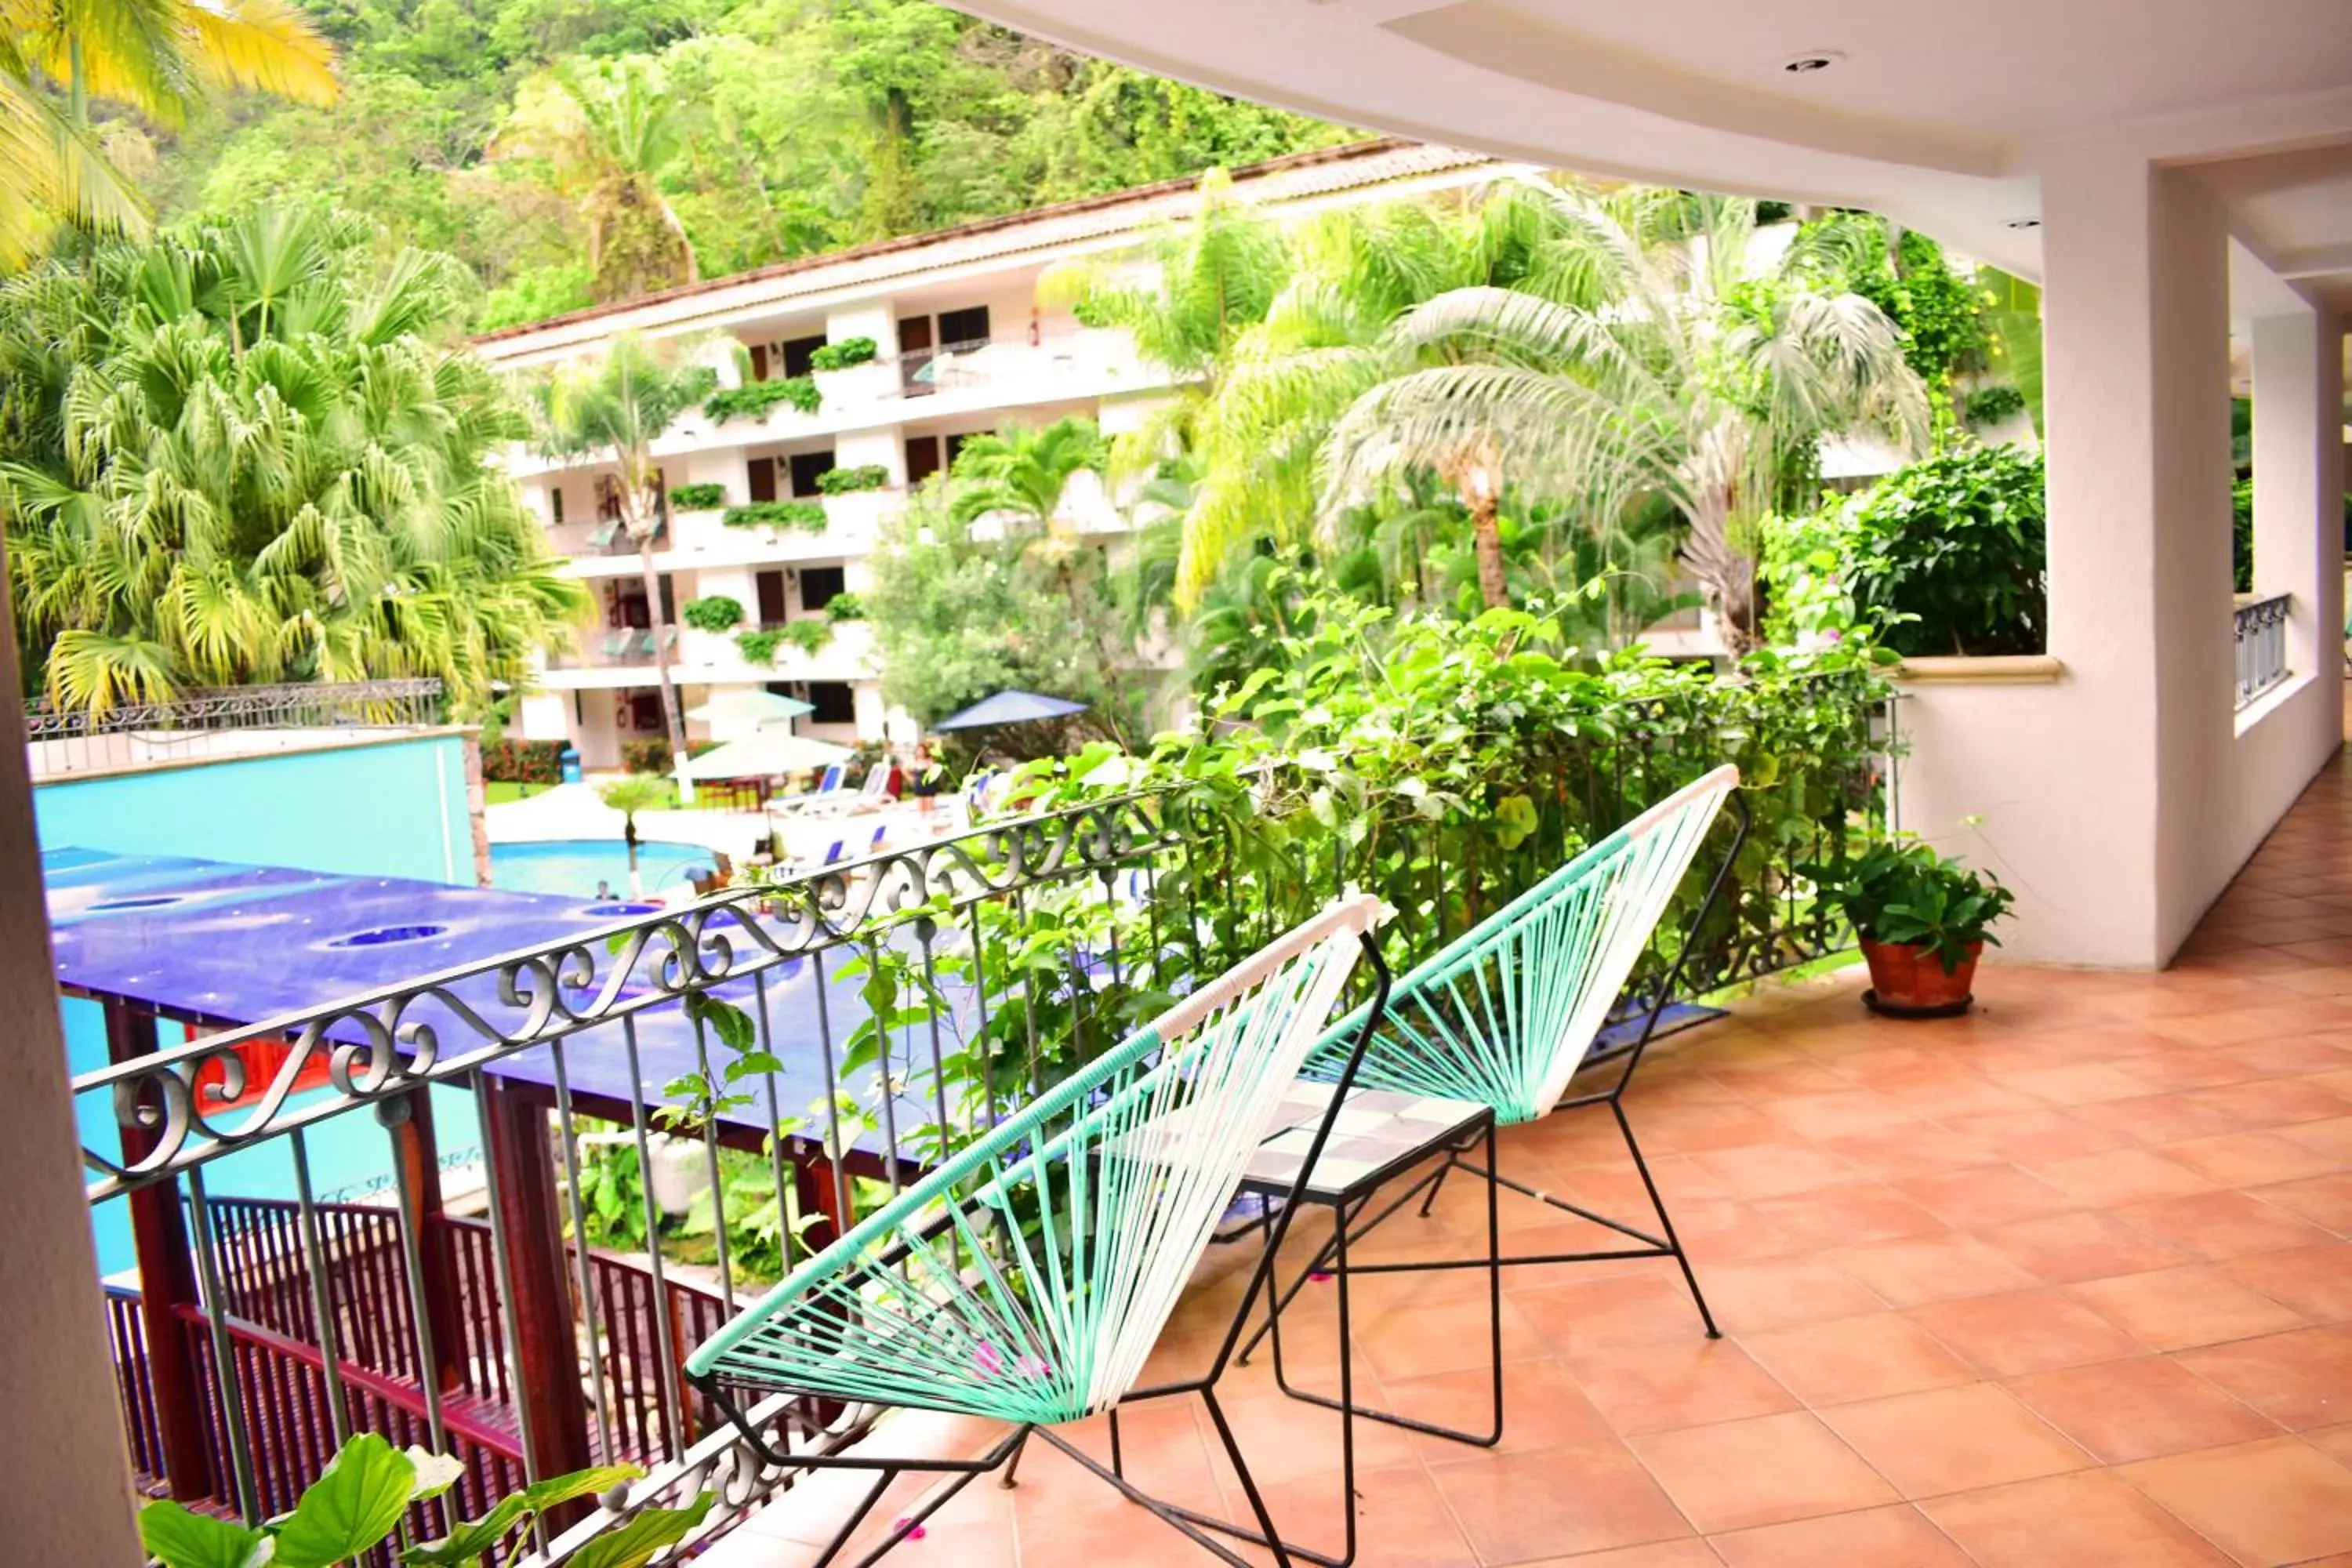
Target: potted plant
{"x":1924,"y":920}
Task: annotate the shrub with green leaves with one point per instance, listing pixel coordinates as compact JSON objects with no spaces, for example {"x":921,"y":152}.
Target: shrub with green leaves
{"x":754,"y":400}
{"x":759,"y":647}
{"x":718,"y":613}
{"x":1905,"y":892}
{"x":841,"y":482}
{"x":806,"y":515}
{"x":808,"y":636}
{"x":697,"y":498}
{"x":362,"y":1501}
{"x":1989,"y":406}
{"x":1947,"y":556}
{"x":842,"y":355}
{"x":845,"y":607}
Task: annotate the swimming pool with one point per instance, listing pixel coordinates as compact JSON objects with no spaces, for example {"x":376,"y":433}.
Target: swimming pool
{"x":570,"y":868}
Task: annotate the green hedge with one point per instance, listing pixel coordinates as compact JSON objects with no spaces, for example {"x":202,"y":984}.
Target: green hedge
{"x":697,"y":498}
{"x":1947,"y":556}
{"x":845,"y":607}
{"x":758,"y":647}
{"x":807,"y":515}
{"x":755,"y":400}
{"x":1989,"y":406}
{"x":523,"y":761}
{"x":840,"y":481}
{"x":645,"y":757}
{"x":808,"y":636}
{"x":842,"y":355}
{"x":716,"y":614}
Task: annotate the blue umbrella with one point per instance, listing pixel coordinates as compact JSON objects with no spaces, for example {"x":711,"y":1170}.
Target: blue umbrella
{"x":1010,"y":708}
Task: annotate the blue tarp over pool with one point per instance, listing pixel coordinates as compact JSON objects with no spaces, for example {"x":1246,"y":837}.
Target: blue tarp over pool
{"x":246,"y":945}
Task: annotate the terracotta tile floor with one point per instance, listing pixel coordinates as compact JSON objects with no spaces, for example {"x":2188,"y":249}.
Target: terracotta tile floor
{"x":2064,"y":1282}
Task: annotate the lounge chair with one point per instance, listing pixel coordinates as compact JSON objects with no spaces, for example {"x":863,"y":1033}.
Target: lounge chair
{"x":828,"y":783}
{"x":1027,"y":1279}
{"x":1506,"y":1013}
{"x":874,"y":794}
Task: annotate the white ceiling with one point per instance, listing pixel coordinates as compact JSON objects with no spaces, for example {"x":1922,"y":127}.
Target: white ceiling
{"x":1934,"y":113}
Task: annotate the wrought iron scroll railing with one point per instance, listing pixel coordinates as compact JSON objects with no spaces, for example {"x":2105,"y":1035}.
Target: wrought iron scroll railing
{"x":2258,"y":632}
{"x":1000,"y":957}
{"x":61,"y":742}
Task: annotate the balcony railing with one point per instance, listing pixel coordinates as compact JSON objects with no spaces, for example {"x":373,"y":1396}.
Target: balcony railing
{"x":996,"y":959}
{"x":616,"y":647}
{"x":1003,"y":362}
{"x":2259,"y":631}
{"x":195,"y":723}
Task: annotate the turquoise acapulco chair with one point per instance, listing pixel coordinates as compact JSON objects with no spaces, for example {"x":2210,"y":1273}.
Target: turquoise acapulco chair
{"x":1508,"y":1013}
{"x":1027,"y":1279}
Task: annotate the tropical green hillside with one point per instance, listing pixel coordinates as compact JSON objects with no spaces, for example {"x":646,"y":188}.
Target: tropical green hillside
{"x":572,"y":151}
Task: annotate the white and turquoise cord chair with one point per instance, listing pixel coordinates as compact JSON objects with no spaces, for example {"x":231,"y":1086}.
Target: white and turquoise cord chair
{"x":1028,"y":1278}
{"x":1506,"y":1013}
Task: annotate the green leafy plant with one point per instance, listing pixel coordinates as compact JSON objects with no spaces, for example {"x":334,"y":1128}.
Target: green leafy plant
{"x":754,"y":400}
{"x":697,"y":498}
{"x":717,"y":613}
{"x":759,"y":647}
{"x":841,"y":482}
{"x":806,"y":515}
{"x":1947,"y":556}
{"x":808,"y":636}
{"x":842,"y":353}
{"x":1904,"y":892}
{"x":2241,"y":535}
{"x":361,"y":1499}
{"x":1989,"y":406}
{"x":612,"y":1193}
{"x":845,"y":607}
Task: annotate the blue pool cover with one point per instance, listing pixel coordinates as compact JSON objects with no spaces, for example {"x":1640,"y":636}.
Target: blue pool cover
{"x":223,"y":943}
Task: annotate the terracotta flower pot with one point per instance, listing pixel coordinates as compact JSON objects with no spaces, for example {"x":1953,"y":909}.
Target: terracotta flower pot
{"x":1910,"y":982}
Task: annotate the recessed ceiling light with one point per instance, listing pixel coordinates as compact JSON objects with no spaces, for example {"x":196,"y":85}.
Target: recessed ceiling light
{"x":2024,"y":223}
{"x":1811,"y":61}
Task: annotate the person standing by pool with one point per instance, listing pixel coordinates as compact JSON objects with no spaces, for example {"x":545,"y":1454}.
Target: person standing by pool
{"x":925,"y":778}
{"x":604,"y":891}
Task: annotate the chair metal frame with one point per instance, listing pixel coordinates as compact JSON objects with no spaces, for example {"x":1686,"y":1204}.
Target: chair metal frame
{"x":707,"y":1369}
{"x":1664,"y":1242}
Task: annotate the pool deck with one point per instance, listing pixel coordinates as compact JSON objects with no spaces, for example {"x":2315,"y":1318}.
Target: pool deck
{"x":573,"y":811}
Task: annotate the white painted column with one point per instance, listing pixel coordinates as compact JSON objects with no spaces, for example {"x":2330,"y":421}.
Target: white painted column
{"x":2137,"y":393}
{"x":2092,"y":795}
{"x":65,"y":1477}
{"x":2298,"y":483}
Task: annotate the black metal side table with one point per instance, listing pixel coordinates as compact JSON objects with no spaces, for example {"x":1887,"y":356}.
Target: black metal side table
{"x":1378,"y":1136}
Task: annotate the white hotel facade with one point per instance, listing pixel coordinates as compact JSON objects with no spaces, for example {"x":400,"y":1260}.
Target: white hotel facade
{"x":963,"y":345}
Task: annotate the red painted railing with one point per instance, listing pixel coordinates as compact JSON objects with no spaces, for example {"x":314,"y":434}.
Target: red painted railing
{"x":267,"y":1293}
{"x":126,"y":1326}
{"x":281,"y":1390}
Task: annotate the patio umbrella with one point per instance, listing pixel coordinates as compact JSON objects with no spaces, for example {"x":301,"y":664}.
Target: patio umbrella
{"x":765,"y":755}
{"x":748,"y":706}
{"x":1010,"y":708}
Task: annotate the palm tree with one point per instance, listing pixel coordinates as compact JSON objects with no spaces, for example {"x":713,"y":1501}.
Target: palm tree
{"x":630,"y":795}
{"x":243,"y":454}
{"x":157,"y":56}
{"x":610,"y":413}
{"x":1670,"y":357}
{"x":1023,"y":471}
{"x":609,"y":131}
{"x":1186,"y":298}
{"x":1275,"y":378}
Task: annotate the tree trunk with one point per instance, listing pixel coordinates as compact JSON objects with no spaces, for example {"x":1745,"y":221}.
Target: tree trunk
{"x":673,"y":716}
{"x":629,"y":836}
{"x":1488,"y":540}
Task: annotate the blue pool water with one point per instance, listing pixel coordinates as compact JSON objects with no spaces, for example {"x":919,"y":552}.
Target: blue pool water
{"x":570,"y":868}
